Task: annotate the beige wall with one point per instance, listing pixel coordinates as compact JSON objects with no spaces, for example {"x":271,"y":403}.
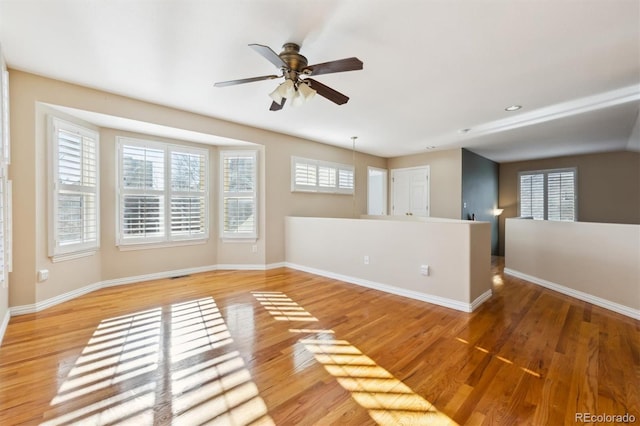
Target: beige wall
{"x":445,"y":169}
{"x":28,"y":171}
{"x":457,"y":252}
{"x":608,"y":186}
{"x":598,"y":259}
{"x":281,"y":202}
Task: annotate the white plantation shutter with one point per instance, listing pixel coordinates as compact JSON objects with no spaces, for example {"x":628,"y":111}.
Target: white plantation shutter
{"x":346,"y":181}
{"x":142,"y":193}
{"x":532,"y":196}
{"x":561,"y":195}
{"x":74,"y":205}
{"x":304,"y":174}
{"x":163,"y":192}
{"x":327,"y":177}
{"x":548,"y":194}
{"x":309,"y":175}
{"x":6,"y":228}
{"x":5,"y":200}
{"x":188,"y":194}
{"x":239,"y":194}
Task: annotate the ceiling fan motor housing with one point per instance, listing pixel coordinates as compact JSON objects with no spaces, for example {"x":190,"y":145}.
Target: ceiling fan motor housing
{"x":291,"y":56}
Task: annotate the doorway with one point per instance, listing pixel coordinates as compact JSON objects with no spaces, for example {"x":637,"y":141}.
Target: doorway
{"x":376,"y":191}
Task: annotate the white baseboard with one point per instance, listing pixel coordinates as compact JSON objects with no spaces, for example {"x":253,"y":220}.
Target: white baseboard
{"x":585,"y":297}
{"x":481,"y":299}
{"x":157,"y":276}
{"x":275,"y":265}
{"x":39,"y":306}
{"x":429,"y":298}
{"x":242,"y":267}
{"x":4,"y":324}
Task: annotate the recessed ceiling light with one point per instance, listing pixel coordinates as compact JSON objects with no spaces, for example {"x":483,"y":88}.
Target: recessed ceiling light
{"x":513,"y":108}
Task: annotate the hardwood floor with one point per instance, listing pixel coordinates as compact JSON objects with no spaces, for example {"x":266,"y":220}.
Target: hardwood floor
{"x":286,"y":347}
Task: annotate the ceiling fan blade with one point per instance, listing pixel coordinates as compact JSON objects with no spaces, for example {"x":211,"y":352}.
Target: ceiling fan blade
{"x":341,"y":65}
{"x":269,"y":55}
{"x":327,"y":92}
{"x":276,"y":106}
{"x":244,"y":80}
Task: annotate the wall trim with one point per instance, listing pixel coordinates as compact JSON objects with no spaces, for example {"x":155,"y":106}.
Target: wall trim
{"x":481,"y":299}
{"x":4,"y":324}
{"x":276,"y":265}
{"x":242,"y":267}
{"x":156,"y":276}
{"x":429,"y":298}
{"x":585,"y":297}
{"x":39,"y":306}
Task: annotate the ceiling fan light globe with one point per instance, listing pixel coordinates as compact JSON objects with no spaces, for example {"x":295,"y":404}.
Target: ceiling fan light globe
{"x":276,"y":96}
{"x":298,"y":99}
{"x":306,"y":92}
{"x":283,"y":91}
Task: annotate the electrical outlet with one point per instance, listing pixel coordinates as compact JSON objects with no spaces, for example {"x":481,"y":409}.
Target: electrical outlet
{"x":424,"y":270}
{"x":43,"y":275}
{"x":366,"y":260}
{"x":254,"y":248}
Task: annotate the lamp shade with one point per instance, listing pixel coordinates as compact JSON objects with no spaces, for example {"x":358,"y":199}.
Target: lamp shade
{"x":306,"y":91}
{"x":302,"y":95}
{"x":283,"y":91}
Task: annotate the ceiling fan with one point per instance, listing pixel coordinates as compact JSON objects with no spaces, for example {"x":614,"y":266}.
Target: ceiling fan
{"x":298,"y":86}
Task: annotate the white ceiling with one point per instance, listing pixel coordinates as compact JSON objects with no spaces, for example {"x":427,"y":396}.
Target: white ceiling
{"x":431,"y":68}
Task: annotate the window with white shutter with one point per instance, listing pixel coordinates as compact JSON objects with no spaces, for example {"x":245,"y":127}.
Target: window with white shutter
{"x":74,"y":199}
{"x":239,"y":194}
{"x":162,"y":192}
{"x":309,"y":175}
{"x":5,"y":185}
{"x":548,"y":194}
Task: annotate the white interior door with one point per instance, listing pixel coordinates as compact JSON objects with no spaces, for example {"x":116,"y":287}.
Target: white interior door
{"x":410,"y":191}
{"x":376,"y":191}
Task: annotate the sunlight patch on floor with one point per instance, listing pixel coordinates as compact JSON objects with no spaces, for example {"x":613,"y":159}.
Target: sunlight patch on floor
{"x":388,"y":400}
{"x":501,"y":358}
{"x":162,"y":366}
{"x":281,"y":307}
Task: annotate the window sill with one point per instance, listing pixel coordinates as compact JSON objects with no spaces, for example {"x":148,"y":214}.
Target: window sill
{"x":70,"y":256}
{"x":239,"y":239}
{"x":148,"y":246}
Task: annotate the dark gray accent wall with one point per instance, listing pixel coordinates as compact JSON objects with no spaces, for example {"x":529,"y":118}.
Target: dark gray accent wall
{"x":480,"y":192}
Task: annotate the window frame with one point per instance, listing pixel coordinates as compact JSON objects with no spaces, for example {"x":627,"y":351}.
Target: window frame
{"x":545,"y":173}
{"x":335,"y":185}
{"x":168,"y":237}
{"x":239,"y":236}
{"x":57,"y":251}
